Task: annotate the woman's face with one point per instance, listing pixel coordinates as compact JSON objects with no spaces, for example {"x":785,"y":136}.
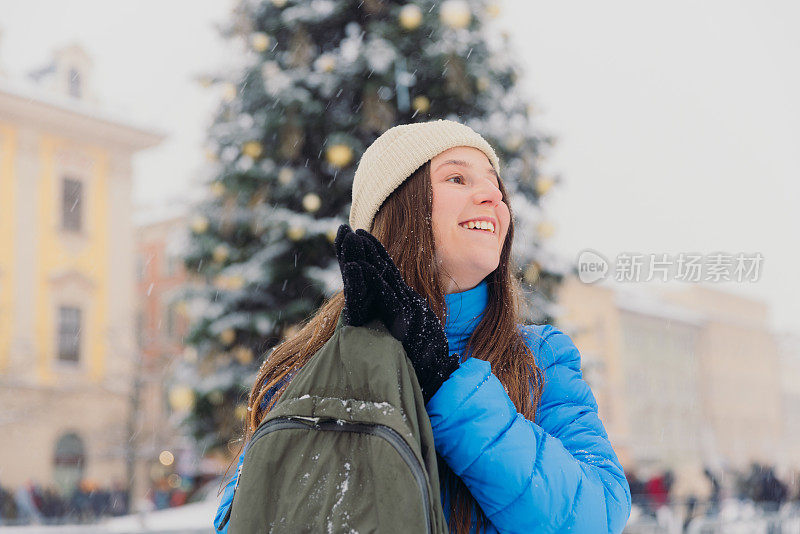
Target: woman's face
{"x":466,"y":188}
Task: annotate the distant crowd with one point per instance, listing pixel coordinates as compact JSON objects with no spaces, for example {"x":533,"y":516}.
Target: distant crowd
{"x":32,"y":503}
{"x":88,"y":502}
{"x":759,"y":485}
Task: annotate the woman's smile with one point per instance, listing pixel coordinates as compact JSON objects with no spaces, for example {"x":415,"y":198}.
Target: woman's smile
{"x":488,"y":233}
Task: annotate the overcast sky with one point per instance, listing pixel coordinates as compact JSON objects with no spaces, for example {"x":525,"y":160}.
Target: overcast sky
{"x":678,"y":123}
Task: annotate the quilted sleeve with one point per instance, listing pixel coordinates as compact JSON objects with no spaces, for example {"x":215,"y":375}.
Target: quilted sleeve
{"x":558,"y":474}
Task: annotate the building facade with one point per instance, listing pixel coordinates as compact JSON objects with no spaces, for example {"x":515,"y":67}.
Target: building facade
{"x":162,"y":325}
{"x":67,"y":280}
{"x":684,"y":379}
{"x":789,"y":350}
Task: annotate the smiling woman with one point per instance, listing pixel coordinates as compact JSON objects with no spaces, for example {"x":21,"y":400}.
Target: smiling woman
{"x":520,"y":445}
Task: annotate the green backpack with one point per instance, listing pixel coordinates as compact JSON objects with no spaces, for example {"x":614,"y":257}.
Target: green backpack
{"x":347,"y":448}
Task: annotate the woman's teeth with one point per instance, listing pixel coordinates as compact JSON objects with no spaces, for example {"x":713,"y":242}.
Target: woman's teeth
{"x":480,"y":225}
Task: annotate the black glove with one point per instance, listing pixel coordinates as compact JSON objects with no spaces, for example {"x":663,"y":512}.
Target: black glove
{"x":375,"y":289}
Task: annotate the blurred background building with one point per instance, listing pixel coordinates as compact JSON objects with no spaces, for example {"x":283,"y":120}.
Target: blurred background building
{"x":162,"y":323}
{"x":67,"y":277}
{"x":685,"y":379}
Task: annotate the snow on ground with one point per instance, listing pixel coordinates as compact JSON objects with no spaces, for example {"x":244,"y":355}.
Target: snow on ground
{"x":196,"y":518}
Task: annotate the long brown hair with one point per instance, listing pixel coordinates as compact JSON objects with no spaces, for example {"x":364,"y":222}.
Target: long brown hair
{"x":496,"y":339}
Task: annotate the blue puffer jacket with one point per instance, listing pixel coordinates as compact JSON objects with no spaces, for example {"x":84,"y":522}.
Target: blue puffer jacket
{"x":558,"y":473}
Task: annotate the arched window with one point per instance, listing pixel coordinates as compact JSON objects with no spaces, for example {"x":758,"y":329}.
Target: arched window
{"x":68,"y":462}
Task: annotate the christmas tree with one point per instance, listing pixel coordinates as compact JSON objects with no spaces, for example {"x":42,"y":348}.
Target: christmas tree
{"x":316,"y":83}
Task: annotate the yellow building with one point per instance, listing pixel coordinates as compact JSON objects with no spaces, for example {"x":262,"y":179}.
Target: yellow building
{"x":67,"y":281}
{"x":683,"y":379}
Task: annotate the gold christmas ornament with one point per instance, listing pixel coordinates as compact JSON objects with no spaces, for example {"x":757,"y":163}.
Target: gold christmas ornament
{"x":410,"y":17}
{"x":331,"y":235}
{"x":285,"y":176}
{"x":243,"y":354}
{"x":217,"y":189}
{"x":325,"y":62}
{"x":232,"y":282}
{"x":199,"y":224}
{"x":311,"y":202}
{"x":482,"y":83}
{"x":241,"y":411}
{"x":339,"y":155}
{"x":228,"y":336}
{"x":228,"y":92}
{"x":545,"y":229}
{"x":455,"y":14}
{"x":278,"y":3}
{"x":543,"y":185}
{"x":259,"y":41}
{"x":421,"y":104}
{"x":220,"y":253}
{"x":252,"y":149}
{"x":493,"y":10}
{"x":531,"y":273}
{"x":295,"y":233}
{"x":181,"y":398}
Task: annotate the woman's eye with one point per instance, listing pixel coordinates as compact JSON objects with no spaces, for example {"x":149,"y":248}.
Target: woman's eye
{"x":456,"y":176}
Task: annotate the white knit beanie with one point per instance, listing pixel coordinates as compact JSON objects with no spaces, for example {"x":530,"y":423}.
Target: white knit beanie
{"x":400,"y":151}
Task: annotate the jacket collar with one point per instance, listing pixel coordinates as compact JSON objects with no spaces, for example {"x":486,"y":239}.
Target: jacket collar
{"x":464,"y":312}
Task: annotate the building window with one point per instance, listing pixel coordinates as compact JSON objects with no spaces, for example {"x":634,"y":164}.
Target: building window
{"x":69,"y":461}
{"x":72,"y":204}
{"x":74,"y":83}
{"x":69,"y":334}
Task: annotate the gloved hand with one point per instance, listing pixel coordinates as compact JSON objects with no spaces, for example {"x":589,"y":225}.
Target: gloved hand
{"x":374,"y":288}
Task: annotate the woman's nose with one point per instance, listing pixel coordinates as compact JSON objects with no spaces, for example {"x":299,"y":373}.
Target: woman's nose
{"x":487,"y":192}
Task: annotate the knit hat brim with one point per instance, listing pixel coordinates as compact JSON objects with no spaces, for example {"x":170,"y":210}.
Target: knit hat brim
{"x":397,"y":153}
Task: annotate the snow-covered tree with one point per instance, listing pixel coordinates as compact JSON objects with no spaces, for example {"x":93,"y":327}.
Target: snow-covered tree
{"x":317,"y":82}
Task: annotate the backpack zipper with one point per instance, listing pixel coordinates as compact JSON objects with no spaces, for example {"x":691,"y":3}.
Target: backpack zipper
{"x":383,"y":431}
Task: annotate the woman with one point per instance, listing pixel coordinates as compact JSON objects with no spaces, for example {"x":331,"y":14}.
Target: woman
{"x":520,"y":444}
